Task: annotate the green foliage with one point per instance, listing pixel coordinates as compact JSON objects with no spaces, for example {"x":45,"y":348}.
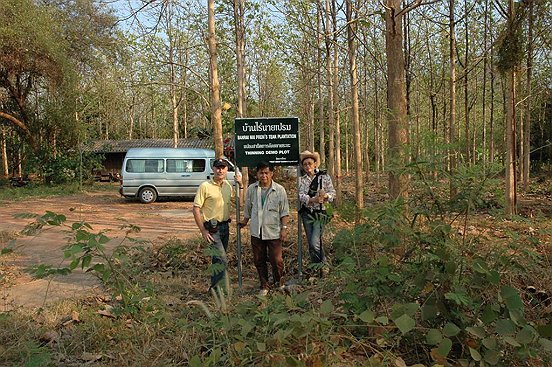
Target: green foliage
{"x":37,"y":356}
{"x":288,"y":330}
{"x":87,"y":250}
{"x":438,"y":288}
{"x":511,"y":42}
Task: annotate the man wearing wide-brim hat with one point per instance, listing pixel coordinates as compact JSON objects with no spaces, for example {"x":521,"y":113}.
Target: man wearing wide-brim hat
{"x":315,"y":191}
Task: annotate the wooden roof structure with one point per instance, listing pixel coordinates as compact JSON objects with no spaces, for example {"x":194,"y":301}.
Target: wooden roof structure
{"x":122,"y":146}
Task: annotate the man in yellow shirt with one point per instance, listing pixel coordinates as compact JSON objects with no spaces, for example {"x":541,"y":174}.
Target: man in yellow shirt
{"x":211,"y":212}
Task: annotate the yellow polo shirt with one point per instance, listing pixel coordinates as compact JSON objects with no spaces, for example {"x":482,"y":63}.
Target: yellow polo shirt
{"x":214,"y":200}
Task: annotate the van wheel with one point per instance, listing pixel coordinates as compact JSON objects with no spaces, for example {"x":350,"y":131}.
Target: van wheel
{"x":147,"y":195}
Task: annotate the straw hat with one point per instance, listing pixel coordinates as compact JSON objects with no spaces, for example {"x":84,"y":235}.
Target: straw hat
{"x":307,"y":154}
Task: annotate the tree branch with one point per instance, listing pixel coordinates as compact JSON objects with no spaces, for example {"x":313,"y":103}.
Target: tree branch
{"x":21,"y":125}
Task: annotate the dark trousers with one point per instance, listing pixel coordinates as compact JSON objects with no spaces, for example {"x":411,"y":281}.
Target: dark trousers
{"x":271,"y":249}
{"x":219,"y":261}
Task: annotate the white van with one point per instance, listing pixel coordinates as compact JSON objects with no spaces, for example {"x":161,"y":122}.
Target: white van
{"x":149,"y":173}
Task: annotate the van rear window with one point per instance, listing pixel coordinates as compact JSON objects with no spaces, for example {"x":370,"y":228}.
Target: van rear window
{"x":145,"y":165}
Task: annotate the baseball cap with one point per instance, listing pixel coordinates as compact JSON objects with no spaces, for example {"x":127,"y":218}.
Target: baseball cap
{"x":220,"y":162}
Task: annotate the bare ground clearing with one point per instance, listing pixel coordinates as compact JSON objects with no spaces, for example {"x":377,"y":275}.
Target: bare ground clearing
{"x":104,"y":211}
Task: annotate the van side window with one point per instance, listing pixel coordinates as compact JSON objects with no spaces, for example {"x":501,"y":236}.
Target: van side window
{"x":144,"y":165}
{"x":179,"y":165}
{"x":198,"y":165}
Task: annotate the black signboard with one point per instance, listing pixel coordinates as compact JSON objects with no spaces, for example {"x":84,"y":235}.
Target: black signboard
{"x":274,"y":140}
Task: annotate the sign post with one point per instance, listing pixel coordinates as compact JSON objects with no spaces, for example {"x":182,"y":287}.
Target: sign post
{"x":274,"y":140}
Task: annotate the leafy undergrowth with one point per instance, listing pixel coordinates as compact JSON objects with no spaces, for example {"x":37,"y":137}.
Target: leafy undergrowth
{"x":432,"y":283}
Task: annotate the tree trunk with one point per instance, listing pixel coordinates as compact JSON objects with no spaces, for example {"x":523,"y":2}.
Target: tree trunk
{"x":467,"y":131}
{"x":510,"y":149}
{"x":239,"y":22}
{"x":526,"y":143}
{"x":338,"y":170}
{"x":172,"y":75}
{"x":216,"y":110}
{"x":22,"y":126}
{"x":396,"y":98}
{"x":352,"y":50}
{"x":484,"y":92}
{"x":453,"y":153}
{"x":5,"y":167}
{"x":510,"y":153}
{"x":131,"y":119}
{"x":319,"y":75}
{"x":331,"y":105}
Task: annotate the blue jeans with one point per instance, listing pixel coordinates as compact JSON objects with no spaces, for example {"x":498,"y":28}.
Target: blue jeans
{"x":314,"y":230}
{"x":221,"y":245}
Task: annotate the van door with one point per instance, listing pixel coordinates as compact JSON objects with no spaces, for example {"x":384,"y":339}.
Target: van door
{"x":184,"y":175}
{"x":139,"y":172}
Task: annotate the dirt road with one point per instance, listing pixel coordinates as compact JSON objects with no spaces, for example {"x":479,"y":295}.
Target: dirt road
{"x":107,"y":211}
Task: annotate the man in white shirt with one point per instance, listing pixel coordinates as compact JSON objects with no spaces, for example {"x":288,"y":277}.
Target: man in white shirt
{"x":266,"y":205}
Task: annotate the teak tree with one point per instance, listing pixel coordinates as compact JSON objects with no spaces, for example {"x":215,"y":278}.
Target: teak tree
{"x":352,"y":49}
{"x":216,"y":107}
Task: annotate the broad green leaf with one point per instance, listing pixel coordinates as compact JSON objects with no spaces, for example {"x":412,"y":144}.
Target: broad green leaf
{"x":405,"y":323}
{"x":429,"y":312}
{"x":100,"y":268}
{"x":460,"y":298}
{"x":72,"y":250}
{"x":103,"y":239}
{"x":480,"y":266}
{"x":9,"y":247}
{"x":261,"y":347}
{"x":517,"y":317}
{"x":367,"y":316}
{"x":433,"y":337}
{"x":411,"y":308}
{"x":526,"y":335}
{"x":545,"y":330}
{"x":86,"y":260}
{"x":505,"y":327}
{"x":476,"y":331}
{"x":491,"y":357}
{"x":383,"y":320}
{"x":489,"y":315}
{"x":511,"y":298}
{"x":450,"y":267}
{"x":74,"y":263}
{"x":444,"y":347}
{"x":490,"y":342}
{"x":493,"y":277}
{"x":546,"y":344}
{"x":510,"y":340}
{"x":475,"y":354}
{"x":451,"y":329}
{"x":82,"y":235}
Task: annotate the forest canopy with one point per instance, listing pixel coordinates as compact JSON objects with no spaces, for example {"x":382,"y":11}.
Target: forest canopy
{"x":73,"y":72}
